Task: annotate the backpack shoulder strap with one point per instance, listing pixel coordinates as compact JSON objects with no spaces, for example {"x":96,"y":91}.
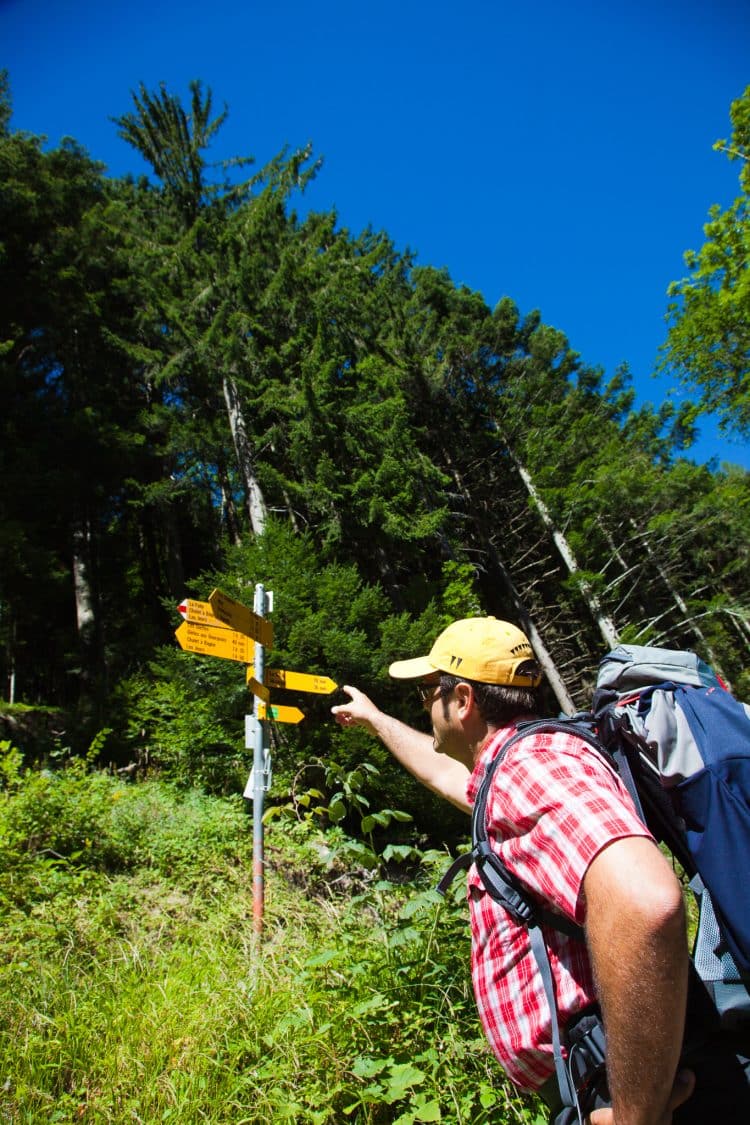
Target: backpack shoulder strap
{"x":507,"y":890}
{"x":503,"y":886}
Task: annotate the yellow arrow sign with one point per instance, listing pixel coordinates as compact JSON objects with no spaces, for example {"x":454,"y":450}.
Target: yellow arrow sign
{"x":239,"y":617}
{"x":200,"y":613}
{"x":216,"y":642}
{"x":280,"y":714}
{"x":299,"y":681}
{"x":256,"y":688}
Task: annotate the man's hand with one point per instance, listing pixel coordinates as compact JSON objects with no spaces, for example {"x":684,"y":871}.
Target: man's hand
{"x":413,"y":749}
{"x":359,"y":712}
{"x":684,"y":1084}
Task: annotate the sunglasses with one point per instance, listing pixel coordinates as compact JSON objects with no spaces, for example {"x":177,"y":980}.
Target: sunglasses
{"x":426,"y":691}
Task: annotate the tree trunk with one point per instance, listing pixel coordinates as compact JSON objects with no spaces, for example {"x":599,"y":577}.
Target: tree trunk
{"x":228,"y":510}
{"x":256,"y":505}
{"x":85,"y":615}
{"x":11,"y":650}
{"x":93,"y":671}
{"x":541,"y":652}
{"x":604,"y":623}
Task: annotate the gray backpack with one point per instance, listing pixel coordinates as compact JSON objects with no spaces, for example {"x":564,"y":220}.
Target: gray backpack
{"x":671,"y":725}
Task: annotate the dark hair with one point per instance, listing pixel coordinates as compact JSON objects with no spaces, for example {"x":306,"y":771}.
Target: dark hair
{"x":498,"y":704}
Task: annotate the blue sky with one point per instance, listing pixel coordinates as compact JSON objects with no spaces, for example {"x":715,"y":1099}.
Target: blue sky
{"x":560,"y":154}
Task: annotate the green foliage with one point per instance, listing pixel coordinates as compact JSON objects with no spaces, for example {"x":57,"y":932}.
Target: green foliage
{"x":185,"y":720}
{"x":172,"y":140}
{"x":139,"y":989}
{"x":73,"y":820}
{"x":708,"y":345}
{"x":202,"y":389}
{"x":459,"y":597}
{"x":11,"y":765}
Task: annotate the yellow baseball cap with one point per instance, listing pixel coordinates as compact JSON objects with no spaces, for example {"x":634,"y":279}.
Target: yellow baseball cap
{"x":477,"y":648}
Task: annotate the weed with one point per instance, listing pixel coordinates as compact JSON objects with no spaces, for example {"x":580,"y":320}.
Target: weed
{"x":133,"y":989}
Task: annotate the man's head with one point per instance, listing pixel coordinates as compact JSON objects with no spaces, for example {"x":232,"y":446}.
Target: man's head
{"x":484,"y":674}
{"x":477,"y":648}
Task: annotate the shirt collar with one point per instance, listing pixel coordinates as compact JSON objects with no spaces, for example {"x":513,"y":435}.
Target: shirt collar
{"x":492,"y":744}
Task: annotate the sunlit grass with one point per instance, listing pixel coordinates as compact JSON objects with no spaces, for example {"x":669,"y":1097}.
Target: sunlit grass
{"x":143,"y":994}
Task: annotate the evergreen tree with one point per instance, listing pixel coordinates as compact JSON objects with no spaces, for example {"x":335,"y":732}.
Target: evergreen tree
{"x":70,"y":435}
{"x":708,"y":345}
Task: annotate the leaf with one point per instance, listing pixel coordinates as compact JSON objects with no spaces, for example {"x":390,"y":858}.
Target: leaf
{"x":337,"y":811}
{"x":400,"y":852}
{"x":402,"y":1078}
{"x":366,"y":1067}
{"x":323,"y":958}
{"x":372,"y":1004}
{"x":430,"y":1111}
{"x":487,"y":1097}
{"x":404,"y":936}
{"x":427,"y":900}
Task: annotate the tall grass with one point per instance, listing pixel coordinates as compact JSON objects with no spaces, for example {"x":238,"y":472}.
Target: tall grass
{"x":132,"y":987}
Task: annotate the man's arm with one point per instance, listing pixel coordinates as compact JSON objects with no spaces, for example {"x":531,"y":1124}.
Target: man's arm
{"x":413,"y":749}
{"x":635,"y":929}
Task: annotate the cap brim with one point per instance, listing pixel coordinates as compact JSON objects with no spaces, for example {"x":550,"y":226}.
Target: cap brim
{"x":412,"y":669}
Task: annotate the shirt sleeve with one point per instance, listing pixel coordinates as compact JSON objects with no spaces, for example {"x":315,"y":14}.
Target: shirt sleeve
{"x":554,"y":805}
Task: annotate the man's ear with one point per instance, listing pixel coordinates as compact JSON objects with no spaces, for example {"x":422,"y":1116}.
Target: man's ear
{"x":465,"y":698}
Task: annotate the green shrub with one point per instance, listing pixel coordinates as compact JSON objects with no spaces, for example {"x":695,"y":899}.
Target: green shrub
{"x":95,"y":820}
{"x":133,"y":985}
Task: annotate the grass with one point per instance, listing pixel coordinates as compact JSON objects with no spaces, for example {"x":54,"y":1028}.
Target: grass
{"x":133,"y":989}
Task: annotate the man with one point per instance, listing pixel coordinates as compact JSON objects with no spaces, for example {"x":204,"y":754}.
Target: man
{"x":561,"y":821}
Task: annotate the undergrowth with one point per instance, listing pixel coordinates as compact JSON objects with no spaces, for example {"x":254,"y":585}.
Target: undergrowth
{"x":133,"y":987}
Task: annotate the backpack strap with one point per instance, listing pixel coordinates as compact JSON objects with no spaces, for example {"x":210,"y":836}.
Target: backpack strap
{"x":507,"y":890}
{"x":499,"y":882}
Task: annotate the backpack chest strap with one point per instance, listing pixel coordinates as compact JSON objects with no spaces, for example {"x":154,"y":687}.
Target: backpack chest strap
{"x":507,"y":890}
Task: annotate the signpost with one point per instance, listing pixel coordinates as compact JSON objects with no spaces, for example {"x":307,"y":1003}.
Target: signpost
{"x":261,"y":757}
{"x":260,"y":690}
{"x":299,"y":681}
{"x":241,"y":618}
{"x":223,"y":642}
{"x":281,"y":714}
{"x":200,"y":613}
{"x":225,"y":628}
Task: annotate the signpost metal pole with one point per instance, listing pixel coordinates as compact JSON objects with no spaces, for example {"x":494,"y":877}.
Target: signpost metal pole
{"x":259,"y":775}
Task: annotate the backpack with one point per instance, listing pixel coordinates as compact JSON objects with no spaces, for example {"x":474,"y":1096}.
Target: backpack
{"x":681,"y":745}
{"x":669,"y":720}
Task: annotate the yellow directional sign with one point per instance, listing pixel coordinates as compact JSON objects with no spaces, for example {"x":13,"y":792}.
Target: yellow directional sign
{"x":200,"y":613}
{"x":216,"y":642}
{"x":256,"y":688}
{"x":280,"y":714}
{"x":299,"y":681}
{"x":239,"y":617}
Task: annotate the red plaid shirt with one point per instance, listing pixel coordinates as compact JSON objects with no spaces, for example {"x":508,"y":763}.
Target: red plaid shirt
{"x":553,"y":806}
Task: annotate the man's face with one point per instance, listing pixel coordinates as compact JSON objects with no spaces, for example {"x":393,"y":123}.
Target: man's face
{"x":447,"y":732}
